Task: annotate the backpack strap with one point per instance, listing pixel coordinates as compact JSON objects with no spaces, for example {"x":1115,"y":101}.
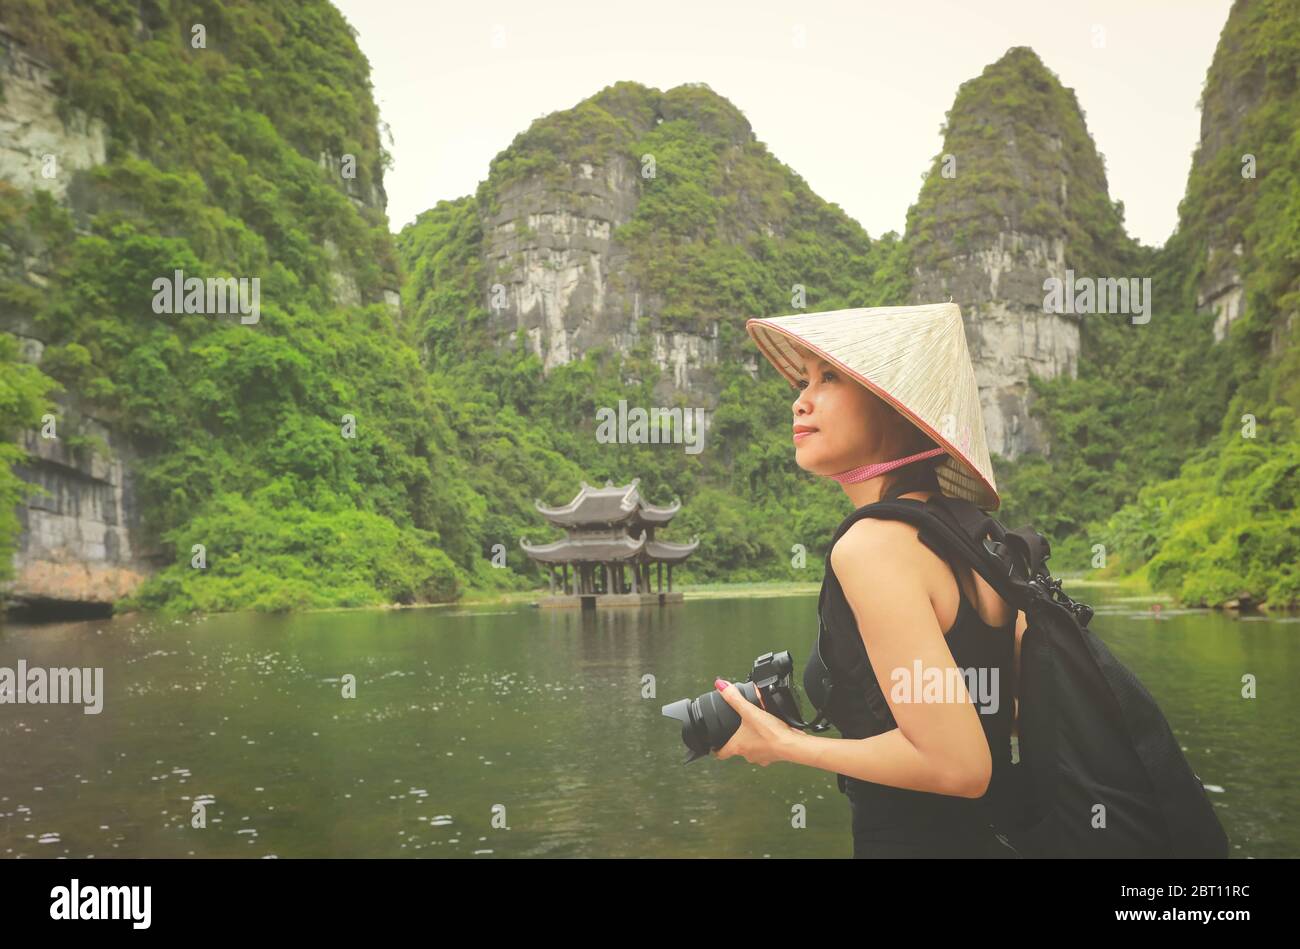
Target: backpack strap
{"x":859,"y":676}
{"x":1032,"y":548}
{"x":948,"y":529}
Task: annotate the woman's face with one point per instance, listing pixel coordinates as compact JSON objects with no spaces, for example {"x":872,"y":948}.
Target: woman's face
{"x":849,"y":425}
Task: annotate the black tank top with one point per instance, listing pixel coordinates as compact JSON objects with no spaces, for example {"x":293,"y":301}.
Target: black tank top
{"x":900,"y":813}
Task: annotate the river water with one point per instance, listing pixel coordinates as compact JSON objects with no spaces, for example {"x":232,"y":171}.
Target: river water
{"x":500,"y":731}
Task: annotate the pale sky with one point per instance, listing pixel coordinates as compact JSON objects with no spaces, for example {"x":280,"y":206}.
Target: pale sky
{"x":851,"y":95}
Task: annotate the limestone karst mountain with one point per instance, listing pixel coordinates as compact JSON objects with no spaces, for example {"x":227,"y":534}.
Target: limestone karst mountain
{"x":1177,"y":448}
{"x":1234,"y":228}
{"x":636,"y":220}
{"x":641,"y":217}
{"x":1016,"y":196}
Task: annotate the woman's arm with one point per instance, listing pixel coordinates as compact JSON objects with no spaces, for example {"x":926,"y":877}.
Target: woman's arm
{"x":1021,"y":623}
{"x":887,"y":758}
{"x":938,"y":746}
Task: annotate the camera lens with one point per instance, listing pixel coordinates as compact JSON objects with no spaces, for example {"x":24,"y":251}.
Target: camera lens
{"x":708,"y":722}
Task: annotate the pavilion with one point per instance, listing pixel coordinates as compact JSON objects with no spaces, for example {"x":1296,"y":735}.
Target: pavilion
{"x":611,"y":547}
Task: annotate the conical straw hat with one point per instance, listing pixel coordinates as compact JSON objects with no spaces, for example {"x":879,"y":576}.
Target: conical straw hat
{"x":913,"y":357}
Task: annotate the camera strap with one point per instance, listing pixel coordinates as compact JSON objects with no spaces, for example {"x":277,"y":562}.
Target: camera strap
{"x":828,"y":683}
{"x":823,"y":673}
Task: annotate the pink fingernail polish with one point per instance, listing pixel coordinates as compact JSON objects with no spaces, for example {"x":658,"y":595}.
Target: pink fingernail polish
{"x":720,"y":684}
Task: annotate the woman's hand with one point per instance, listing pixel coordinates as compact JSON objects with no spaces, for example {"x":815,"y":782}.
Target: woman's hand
{"x":761,"y":738}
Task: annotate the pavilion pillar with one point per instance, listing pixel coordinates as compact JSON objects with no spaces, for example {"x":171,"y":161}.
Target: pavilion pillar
{"x":659,"y":568}
{"x":670,"y":578}
{"x":550,"y":578}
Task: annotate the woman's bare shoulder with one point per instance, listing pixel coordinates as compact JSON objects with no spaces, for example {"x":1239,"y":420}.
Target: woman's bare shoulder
{"x":893,"y":544}
{"x":874,"y":538}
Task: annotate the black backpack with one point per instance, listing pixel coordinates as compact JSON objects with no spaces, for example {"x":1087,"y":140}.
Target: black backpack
{"x":1089,"y":732}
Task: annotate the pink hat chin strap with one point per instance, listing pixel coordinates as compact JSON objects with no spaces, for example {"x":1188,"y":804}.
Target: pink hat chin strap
{"x":867,"y":472}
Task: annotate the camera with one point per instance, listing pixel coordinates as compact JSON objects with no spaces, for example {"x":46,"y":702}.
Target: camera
{"x":708,"y":722}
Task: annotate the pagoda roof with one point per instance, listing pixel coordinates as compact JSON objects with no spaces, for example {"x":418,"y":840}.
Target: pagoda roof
{"x":666,"y":552}
{"x":611,"y":505}
{"x":610,"y":547}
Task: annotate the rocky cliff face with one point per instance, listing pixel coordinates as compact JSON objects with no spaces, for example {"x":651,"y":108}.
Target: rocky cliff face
{"x":1224,"y":104}
{"x":38,"y":148}
{"x":79,"y":528}
{"x":556,"y":266}
{"x":564,"y":277}
{"x":81,"y":545}
{"x":76,"y":548}
{"x":1247,"y":124}
{"x":1000,"y":289}
{"x":1018,"y":195}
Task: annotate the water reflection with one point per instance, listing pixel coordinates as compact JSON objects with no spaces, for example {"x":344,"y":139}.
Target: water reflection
{"x":519,"y":732}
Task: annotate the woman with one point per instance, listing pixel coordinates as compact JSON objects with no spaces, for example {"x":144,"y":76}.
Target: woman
{"x":874,"y":390}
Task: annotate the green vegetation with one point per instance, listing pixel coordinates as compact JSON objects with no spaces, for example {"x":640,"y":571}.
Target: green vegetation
{"x":1227,"y":526}
{"x":240,"y":427}
{"x":216,"y":169}
{"x":1160,"y":416}
{"x":1142,"y":400}
{"x":1232,"y":523}
{"x":225,"y":161}
{"x":722,"y":232}
{"x":23,"y":390}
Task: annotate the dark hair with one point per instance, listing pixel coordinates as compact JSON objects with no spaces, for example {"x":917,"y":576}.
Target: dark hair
{"x":918,"y":476}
